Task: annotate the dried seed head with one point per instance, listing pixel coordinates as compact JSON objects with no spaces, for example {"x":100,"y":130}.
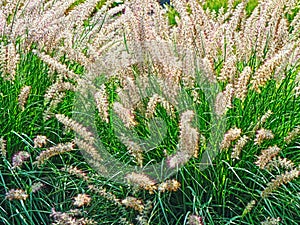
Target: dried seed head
{"x":134,"y":149}
{"x":71,"y":217}
{"x":292,"y":135}
{"x":279,"y":180}
{"x":40,"y":141}
{"x":125,"y":114}
{"x":224,"y":100}
{"x":195,"y":220}
{"x":56,"y":90}
{"x":48,"y":113}
{"x":261,"y":135}
{"x":231,"y":135}
{"x":16,"y":194}
{"x":36,"y":186}
{"x":19,"y":158}
{"x":102,"y":103}
{"x":169,"y":185}
{"x":249,"y":207}
{"x":55,"y":150}
{"x":229,"y":69}
{"x":3,"y":147}
{"x":154,"y":101}
{"x":89,"y":149}
{"x":133,"y":203}
{"x":77,"y":127}
{"x":237,"y":149}
{"x":266,"y":156}
{"x":279,"y":162}
{"x":77,"y":172}
{"x":263,"y":119}
{"x":188,"y":141}
{"x":271,"y":221}
{"x":9,"y":60}
{"x":142,"y":181}
{"x":23,"y":96}
{"x":82,"y":200}
{"x":241,"y":88}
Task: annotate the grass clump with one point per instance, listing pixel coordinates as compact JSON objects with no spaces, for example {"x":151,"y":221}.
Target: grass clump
{"x":130,"y":112}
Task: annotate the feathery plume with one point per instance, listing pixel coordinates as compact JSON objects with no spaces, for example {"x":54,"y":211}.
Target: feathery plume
{"x":55,"y":88}
{"x":279,"y":162}
{"x":8,"y":61}
{"x":76,"y":172}
{"x":261,"y":135}
{"x":209,"y":69}
{"x":53,"y":151}
{"x":70,"y":217}
{"x":285,"y":178}
{"x":57,"y":66}
{"x":3,"y":146}
{"x":40,"y":141}
{"x":134,"y":203}
{"x":48,"y":113}
{"x":143,"y":216}
{"x":77,"y":127}
{"x":240,"y":87}
{"x":35,"y":187}
{"x":107,"y":195}
{"x":262,"y":120}
{"x":195,"y":220}
{"x":169,"y":185}
{"x":224,"y":100}
{"x":89,"y":149}
{"x":231,"y":135}
{"x":188,"y":141}
{"x":266,"y":156}
{"x":102,"y":103}
{"x":82,"y":200}
{"x":142,"y":181}
{"x":229,"y":69}
{"x":125,"y":114}
{"x":129,"y":95}
{"x":292,"y":135}
{"x":23,"y":96}
{"x":19,"y":158}
{"x":154,"y":101}
{"x":134,"y":149}
{"x":2,"y":22}
{"x":297,"y":89}
{"x":271,"y":221}
{"x":249,"y":207}
{"x":265,"y":117}
{"x":264,"y":72}
{"x":236,"y":151}
{"x":16,"y":194}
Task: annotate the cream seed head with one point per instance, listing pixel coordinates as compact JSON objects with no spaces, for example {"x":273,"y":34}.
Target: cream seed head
{"x":53,"y":151}
{"x":3,"y":147}
{"x":266,"y":156}
{"x":82,"y":200}
{"x":19,"y":158}
{"x":261,"y":135}
{"x":230,"y":136}
{"x":283,"y":178}
{"x":142,"y":180}
{"x":16,"y":194}
{"x":40,"y":141}
{"x":23,"y":96}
